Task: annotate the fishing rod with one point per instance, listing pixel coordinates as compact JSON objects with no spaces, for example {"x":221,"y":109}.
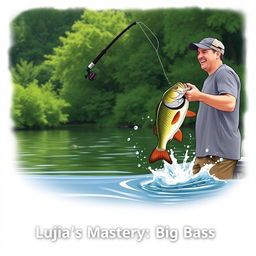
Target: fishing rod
{"x":92,"y":75}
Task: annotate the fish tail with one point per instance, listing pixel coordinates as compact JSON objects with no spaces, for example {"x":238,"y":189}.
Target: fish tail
{"x":160,"y":155}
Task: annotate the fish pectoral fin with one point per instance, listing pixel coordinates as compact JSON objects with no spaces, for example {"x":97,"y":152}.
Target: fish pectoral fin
{"x":178,"y":136}
{"x":190,"y":113}
{"x":176,"y":118}
{"x":155,"y":129}
{"x":160,"y":155}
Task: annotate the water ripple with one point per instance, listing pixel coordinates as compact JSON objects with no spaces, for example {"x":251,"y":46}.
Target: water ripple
{"x":137,"y":188}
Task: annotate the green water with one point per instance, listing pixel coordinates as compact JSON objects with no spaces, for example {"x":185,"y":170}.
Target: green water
{"x":91,"y":150}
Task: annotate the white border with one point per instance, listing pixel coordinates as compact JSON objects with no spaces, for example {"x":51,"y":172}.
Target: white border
{"x":23,"y":207}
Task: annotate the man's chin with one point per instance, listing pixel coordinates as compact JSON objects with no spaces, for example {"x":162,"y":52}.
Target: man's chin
{"x":204,"y":67}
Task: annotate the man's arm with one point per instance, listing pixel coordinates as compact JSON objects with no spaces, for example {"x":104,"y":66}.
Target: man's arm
{"x":225,"y":102}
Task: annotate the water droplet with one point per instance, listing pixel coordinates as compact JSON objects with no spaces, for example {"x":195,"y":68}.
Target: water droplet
{"x":128,"y":139}
{"x":148,"y":117}
{"x":134,"y":146}
{"x":139,"y":165}
{"x":137,"y":152}
{"x":135,"y":127}
{"x":207,"y":150}
{"x":188,"y":146}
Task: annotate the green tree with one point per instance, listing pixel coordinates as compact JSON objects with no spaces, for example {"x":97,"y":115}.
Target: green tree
{"x":35,"y":32}
{"x":130,"y":81}
{"x":37,"y":107}
{"x":88,"y":37}
{"x":137,"y":61}
{"x":24,"y":73}
{"x":138,"y":106}
{"x":191,"y":25}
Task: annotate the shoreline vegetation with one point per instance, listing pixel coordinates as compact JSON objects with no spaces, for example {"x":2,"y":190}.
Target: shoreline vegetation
{"x":93,"y":126}
{"x":52,"y":48}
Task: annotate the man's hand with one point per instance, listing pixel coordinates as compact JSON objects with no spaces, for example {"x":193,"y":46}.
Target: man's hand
{"x":193,"y":94}
{"x":225,"y":102}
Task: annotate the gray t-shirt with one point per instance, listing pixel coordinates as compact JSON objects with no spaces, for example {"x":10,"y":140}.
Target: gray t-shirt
{"x":217,"y":132}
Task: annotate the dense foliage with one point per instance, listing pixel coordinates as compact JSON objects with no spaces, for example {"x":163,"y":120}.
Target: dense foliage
{"x":36,"y":32}
{"x":50,"y":53}
{"x":37,"y":107}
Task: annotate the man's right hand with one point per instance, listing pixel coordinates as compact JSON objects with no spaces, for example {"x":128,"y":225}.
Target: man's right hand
{"x":193,"y":94}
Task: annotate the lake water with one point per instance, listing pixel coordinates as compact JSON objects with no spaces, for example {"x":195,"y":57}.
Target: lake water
{"x":112,"y":164}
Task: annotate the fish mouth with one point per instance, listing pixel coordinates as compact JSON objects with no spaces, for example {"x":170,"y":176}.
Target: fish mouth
{"x":180,"y":93}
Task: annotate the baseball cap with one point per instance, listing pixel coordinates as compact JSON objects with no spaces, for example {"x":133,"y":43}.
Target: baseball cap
{"x":208,"y":43}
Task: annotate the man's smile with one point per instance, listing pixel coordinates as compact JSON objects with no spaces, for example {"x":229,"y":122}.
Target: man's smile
{"x":202,"y":61}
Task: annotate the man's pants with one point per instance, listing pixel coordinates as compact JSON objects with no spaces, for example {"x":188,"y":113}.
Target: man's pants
{"x":223,"y":168}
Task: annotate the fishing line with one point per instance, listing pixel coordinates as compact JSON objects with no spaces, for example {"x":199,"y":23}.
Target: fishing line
{"x":91,"y":75}
{"x":156,"y":48}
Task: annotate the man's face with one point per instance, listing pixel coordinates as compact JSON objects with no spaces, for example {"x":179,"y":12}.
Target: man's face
{"x":207,"y":59}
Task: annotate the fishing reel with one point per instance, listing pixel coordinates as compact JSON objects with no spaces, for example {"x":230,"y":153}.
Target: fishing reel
{"x":90,"y":75}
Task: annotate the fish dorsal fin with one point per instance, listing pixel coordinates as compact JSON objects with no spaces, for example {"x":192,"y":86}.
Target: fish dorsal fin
{"x":178,"y":136}
{"x":176,"y":118}
{"x":190,"y":113}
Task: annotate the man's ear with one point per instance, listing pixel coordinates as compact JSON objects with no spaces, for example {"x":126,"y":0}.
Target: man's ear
{"x":218,"y":54}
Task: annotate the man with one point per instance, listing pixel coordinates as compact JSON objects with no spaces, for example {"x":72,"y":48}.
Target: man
{"x":217,"y":135}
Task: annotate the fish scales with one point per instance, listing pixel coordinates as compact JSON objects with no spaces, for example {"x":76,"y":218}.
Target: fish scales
{"x":166,"y":130}
{"x":164,"y":120}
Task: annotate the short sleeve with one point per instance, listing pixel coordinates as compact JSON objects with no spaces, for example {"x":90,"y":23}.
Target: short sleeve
{"x":228,"y":83}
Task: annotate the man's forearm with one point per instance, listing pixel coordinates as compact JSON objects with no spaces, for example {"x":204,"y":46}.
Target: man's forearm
{"x":225,"y":102}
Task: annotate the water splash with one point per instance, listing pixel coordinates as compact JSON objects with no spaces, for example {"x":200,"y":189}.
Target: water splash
{"x":175,"y":172}
{"x":175,"y":182}
{"x":178,"y":178}
{"x":135,"y":127}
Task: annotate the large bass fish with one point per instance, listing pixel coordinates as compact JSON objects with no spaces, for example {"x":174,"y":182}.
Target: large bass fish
{"x":170,"y":115}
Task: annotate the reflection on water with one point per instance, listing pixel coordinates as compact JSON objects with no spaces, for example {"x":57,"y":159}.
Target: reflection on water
{"x":83,"y":150}
{"x":112,"y":164}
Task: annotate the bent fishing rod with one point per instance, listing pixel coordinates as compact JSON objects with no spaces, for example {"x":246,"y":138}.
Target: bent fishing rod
{"x":92,"y":75}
